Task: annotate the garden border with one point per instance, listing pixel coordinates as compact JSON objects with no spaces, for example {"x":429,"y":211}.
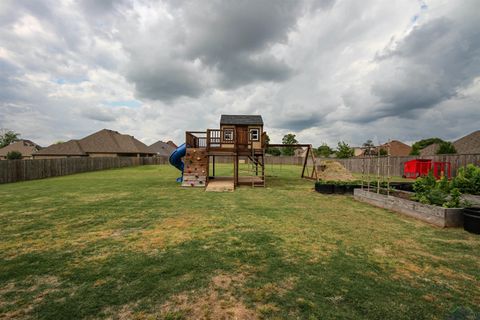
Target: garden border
{"x":438,"y":216}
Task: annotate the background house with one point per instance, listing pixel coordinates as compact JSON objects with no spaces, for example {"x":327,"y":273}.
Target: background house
{"x":397,"y":148}
{"x":162,"y":148}
{"x":104,"y":143}
{"x":469,"y":144}
{"x":171,"y":143}
{"x":358,"y":151}
{"x":25,"y":147}
{"x":430,"y":150}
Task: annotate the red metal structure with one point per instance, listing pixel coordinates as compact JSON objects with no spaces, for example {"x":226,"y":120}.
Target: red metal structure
{"x":421,"y":167}
{"x":441,"y":169}
{"x":416,"y":168}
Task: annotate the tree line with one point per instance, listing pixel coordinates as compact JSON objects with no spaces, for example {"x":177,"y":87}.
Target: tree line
{"x":344,"y":150}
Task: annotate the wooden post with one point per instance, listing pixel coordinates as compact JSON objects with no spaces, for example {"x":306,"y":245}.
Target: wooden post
{"x":305,"y":161}
{"x":378,"y":172}
{"x":314,"y":164}
{"x":235,"y":170}
{"x":213,"y":166}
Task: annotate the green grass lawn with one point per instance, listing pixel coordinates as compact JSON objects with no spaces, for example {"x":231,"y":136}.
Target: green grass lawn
{"x":131,"y":243}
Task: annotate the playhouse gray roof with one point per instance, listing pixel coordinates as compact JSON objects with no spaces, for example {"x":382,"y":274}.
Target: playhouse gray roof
{"x":255,"y":120}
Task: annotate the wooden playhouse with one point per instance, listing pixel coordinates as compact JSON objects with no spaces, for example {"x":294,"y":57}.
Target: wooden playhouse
{"x":240,"y":140}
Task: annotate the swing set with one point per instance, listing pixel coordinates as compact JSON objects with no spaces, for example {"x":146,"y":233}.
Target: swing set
{"x":311,"y":174}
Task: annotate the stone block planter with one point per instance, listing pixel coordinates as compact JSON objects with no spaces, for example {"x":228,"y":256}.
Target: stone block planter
{"x":439,"y":216}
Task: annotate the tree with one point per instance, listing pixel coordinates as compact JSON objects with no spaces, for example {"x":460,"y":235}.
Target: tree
{"x":419,"y":145}
{"x":289,"y":139}
{"x":369,"y":147}
{"x":14,"y":155}
{"x":7,"y":137}
{"x":383,"y":152}
{"x":324,"y":151}
{"x":344,"y":150}
{"x":446,"y":148}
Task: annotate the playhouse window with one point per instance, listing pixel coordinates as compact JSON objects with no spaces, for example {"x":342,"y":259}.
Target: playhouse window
{"x":254,"y":134}
{"x":228,"y":134}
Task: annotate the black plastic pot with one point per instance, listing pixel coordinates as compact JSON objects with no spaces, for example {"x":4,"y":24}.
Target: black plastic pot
{"x":339,"y":188}
{"x":471,"y":220}
{"x":324,"y":188}
{"x":349,"y":188}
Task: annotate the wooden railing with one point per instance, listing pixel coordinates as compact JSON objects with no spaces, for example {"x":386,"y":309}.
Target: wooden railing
{"x":214,"y":138}
{"x":196,"y":139}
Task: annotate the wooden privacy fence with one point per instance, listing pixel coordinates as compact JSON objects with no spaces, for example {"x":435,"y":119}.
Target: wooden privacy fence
{"x":355,"y":165}
{"x":22,"y":170}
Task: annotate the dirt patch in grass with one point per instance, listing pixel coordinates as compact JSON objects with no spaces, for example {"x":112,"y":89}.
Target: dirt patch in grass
{"x":92,"y":198}
{"x":216,"y":302}
{"x":169,"y":232}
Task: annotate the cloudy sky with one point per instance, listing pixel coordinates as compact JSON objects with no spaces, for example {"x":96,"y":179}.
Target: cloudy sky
{"x":327,"y":70}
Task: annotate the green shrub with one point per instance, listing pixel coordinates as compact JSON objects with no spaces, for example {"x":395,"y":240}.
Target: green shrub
{"x":14,"y":155}
{"x":446,"y":147}
{"x":437,"y":192}
{"x":468,"y":180}
{"x":344,"y":150}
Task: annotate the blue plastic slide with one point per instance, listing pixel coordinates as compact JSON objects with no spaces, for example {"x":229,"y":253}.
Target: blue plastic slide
{"x":176,"y":159}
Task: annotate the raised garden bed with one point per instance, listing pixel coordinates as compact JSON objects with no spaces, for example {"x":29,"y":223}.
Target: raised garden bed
{"x":341,"y":187}
{"x":439,"y":216}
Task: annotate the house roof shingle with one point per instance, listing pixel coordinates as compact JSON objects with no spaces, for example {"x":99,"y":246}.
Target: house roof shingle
{"x":70,"y":148}
{"x":397,"y":148}
{"x":255,"y":120}
{"x":468,"y":144}
{"x":430,"y":150}
{"x":103,"y":141}
{"x":162,"y":148}
{"x":25,"y":147}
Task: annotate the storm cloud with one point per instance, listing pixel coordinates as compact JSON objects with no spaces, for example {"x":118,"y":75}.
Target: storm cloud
{"x":326,"y":70}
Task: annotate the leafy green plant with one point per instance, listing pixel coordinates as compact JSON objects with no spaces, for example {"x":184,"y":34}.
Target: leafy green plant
{"x":437,"y":192}
{"x":446,"y":147}
{"x":468,"y":180}
{"x":339,"y":183}
{"x":344,"y":150}
{"x":14,"y":155}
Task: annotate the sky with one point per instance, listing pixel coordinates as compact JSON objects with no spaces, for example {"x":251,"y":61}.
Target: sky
{"x":325,"y":70}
